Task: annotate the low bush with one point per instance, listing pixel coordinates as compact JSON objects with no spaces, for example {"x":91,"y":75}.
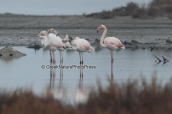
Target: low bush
{"x":153,"y":9}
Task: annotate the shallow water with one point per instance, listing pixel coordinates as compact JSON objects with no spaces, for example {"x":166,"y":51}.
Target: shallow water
{"x":26,"y":71}
{"x":24,"y":37}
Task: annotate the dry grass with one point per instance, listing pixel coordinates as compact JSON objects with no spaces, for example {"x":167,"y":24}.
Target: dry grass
{"x":170,"y":16}
{"x":131,"y":98}
{"x":25,"y":102}
{"x":153,"y":9}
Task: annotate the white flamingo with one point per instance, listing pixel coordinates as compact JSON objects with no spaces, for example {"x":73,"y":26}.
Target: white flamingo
{"x":81,"y":45}
{"x":66,"y":42}
{"x":110,"y":43}
{"x":55,"y":43}
{"x":44,"y":42}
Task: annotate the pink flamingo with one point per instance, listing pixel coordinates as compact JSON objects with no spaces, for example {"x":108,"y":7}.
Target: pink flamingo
{"x":111,"y":43}
{"x":44,"y":42}
{"x":81,"y":45}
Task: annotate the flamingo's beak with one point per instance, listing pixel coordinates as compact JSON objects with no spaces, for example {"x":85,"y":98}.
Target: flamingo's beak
{"x":98,"y":29}
{"x":56,"y":34}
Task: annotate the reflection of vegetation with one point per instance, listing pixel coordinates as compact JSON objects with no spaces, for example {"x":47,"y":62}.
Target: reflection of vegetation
{"x":130,"y":98}
{"x":153,"y":9}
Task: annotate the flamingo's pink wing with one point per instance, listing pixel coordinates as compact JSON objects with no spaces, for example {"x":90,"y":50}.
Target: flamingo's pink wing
{"x":119,"y":45}
{"x":85,"y":44}
{"x":114,"y":42}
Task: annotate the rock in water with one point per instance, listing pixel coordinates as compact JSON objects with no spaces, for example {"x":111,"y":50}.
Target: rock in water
{"x":134,"y":41}
{"x":168,"y":41}
{"x":97,"y":40}
{"x":8,"y":51}
{"x":35,"y":45}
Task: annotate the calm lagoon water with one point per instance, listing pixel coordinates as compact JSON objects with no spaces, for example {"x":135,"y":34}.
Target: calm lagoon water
{"x":26,"y":71}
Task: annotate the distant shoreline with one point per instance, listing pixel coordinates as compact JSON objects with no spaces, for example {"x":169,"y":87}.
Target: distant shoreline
{"x":13,"y":21}
{"x":34,"y":15}
{"x":23,"y":30}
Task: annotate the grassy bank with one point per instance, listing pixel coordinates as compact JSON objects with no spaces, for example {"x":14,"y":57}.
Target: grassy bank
{"x":154,"y":9}
{"x":129,"y":98}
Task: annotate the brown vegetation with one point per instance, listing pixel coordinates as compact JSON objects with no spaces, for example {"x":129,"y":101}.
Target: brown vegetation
{"x":153,"y":9}
{"x":25,"y":102}
{"x":131,"y":98}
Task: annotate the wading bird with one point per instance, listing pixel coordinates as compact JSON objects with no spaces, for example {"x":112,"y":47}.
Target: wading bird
{"x":66,"y":42}
{"x":55,"y":43}
{"x":45,"y":44}
{"x":165,"y":60}
{"x":110,"y":43}
{"x":159,"y":60}
{"x":81,"y":45}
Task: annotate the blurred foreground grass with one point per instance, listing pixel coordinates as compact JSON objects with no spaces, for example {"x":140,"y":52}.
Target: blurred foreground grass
{"x":132,"y":97}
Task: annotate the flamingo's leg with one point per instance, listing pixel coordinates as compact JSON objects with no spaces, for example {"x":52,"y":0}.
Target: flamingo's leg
{"x":54,"y":60}
{"x":80,"y":57}
{"x":82,"y":64}
{"x":60,"y":57}
{"x":50,"y":57}
{"x":112,"y":63}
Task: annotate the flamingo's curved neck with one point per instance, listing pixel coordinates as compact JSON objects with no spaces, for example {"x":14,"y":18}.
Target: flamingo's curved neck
{"x":102,"y":38}
{"x":47,"y":35}
{"x":48,"y":32}
{"x":40,"y":36}
{"x":48,"y":38}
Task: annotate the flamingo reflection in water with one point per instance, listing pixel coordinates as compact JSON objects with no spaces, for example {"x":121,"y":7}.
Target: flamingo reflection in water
{"x":52,"y":76}
{"x":81,"y":94}
{"x":58,"y":92}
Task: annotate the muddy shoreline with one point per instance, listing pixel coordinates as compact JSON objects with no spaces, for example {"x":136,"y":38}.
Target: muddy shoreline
{"x":22,"y":30}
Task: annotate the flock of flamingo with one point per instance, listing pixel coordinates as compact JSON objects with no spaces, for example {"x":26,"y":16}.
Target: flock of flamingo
{"x":51,"y":41}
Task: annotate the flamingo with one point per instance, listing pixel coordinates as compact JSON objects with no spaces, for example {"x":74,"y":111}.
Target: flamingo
{"x":81,"y":45}
{"x":66,"y":42}
{"x":110,"y":43}
{"x":55,"y":43}
{"x":44,"y":42}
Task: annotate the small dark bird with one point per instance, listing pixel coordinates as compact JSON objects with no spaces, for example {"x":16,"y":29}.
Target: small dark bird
{"x":165,"y":60}
{"x":157,"y":58}
{"x":10,"y":54}
{"x":151,"y":48}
